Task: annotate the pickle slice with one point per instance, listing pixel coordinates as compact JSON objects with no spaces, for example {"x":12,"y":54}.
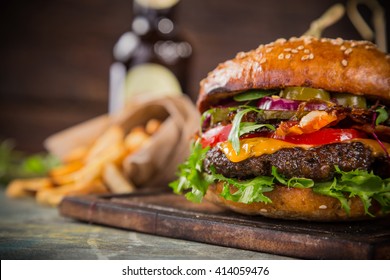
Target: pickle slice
{"x":350,"y":100}
{"x":304,"y":93}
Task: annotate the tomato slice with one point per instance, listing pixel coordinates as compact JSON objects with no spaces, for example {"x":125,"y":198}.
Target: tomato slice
{"x":323,"y":136}
{"x":215,"y":135}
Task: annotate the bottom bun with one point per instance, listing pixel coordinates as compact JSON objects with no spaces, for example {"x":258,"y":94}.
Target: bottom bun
{"x":294,"y":204}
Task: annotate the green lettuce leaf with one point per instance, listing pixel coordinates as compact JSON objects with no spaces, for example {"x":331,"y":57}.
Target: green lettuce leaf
{"x":382,"y":115}
{"x":249,"y":191}
{"x":366,"y":185}
{"x":383,"y":197}
{"x":194,"y":181}
{"x":235,"y":133}
{"x":247,"y":127}
{"x":191,"y":177}
{"x":332,"y":189}
{"x":17,"y":164}
{"x":295,"y":182}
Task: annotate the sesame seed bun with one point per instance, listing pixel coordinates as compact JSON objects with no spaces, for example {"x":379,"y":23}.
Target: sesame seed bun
{"x":294,"y":204}
{"x":335,"y":65}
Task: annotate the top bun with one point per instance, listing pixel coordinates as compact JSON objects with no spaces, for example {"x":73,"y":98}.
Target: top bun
{"x":336,"y":65}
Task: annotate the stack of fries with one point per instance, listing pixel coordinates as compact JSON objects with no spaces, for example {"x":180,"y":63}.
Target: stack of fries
{"x":91,"y":169}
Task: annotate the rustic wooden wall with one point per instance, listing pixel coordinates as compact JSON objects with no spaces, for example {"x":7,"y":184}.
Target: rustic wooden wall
{"x":55,"y":55}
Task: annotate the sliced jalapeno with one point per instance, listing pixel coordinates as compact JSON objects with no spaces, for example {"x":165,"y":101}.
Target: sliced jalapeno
{"x":350,"y":100}
{"x":304,"y":93}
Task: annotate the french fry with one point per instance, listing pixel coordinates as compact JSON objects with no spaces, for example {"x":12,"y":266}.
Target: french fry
{"x":136,"y":138}
{"x":76,"y":155}
{"x":115,"y":180}
{"x":64,"y":179}
{"x":152,"y":126}
{"x":36,"y":184}
{"x":54,"y":196}
{"x":93,"y":170}
{"x":112,"y":136}
{"x":65,"y":169}
{"x":88,"y":169}
{"x":95,"y":187}
{"x":27,"y":187}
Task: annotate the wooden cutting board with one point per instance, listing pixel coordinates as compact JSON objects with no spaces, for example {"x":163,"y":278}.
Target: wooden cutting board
{"x":169,"y":215}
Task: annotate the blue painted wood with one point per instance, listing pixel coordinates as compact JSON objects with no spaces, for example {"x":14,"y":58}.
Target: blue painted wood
{"x":30,"y":231}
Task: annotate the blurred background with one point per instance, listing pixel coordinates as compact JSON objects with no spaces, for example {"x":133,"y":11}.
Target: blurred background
{"x":55,"y":55}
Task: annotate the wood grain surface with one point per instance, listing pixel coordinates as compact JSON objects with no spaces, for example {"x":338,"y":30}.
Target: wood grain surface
{"x":32,"y":232}
{"x":169,"y":215}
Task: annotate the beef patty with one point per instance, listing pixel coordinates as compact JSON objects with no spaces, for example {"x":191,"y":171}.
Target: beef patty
{"x":315,"y":163}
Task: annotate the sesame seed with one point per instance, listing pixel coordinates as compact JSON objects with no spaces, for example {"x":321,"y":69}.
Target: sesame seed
{"x":281,"y":56}
{"x":241,"y":55}
{"x":287,"y":49}
{"x":339,"y":41}
{"x":281,"y":41}
{"x":305,"y":57}
{"x":301,"y":47}
{"x":323,"y":207}
{"x":364,"y":42}
{"x":293,"y":39}
{"x":343,"y":48}
{"x":344,"y":62}
{"x":306,"y":51}
{"x":288,"y":56}
{"x":294,"y":51}
{"x":311,"y":56}
{"x":263,"y":60}
{"x":263,"y":210}
{"x":369,"y":47}
{"x":353,"y":44}
{"x":323,"y":40}
{"x":268,"y":50}
{"x":348,"y":51}
{"x":307,"y":40}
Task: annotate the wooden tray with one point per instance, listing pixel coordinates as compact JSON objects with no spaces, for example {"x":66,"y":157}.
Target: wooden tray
{"x":169,"y":215}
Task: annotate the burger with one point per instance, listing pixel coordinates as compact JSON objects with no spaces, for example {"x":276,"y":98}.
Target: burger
{"x":295,"y":129}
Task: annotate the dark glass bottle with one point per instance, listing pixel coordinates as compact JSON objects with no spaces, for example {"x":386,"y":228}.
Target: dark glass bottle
{"x":152,"y":58}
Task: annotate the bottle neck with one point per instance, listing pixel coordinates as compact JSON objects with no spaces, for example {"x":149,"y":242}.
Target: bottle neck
{"x":151,"y":16}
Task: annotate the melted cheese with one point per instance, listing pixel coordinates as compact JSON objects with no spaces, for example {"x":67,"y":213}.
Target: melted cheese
{"x":254,"y":147}
{"x":376,"y":149}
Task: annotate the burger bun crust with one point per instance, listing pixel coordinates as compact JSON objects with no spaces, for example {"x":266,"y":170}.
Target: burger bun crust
{"x":294,"y":204}
{"x":335,"y":65}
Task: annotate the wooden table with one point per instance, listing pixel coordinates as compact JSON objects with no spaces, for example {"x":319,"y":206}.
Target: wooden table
{"x":30,"y":231}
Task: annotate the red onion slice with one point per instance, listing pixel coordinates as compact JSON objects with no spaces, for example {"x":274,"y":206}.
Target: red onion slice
{"x":269,"y":103}
{"x":282,"y":104}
